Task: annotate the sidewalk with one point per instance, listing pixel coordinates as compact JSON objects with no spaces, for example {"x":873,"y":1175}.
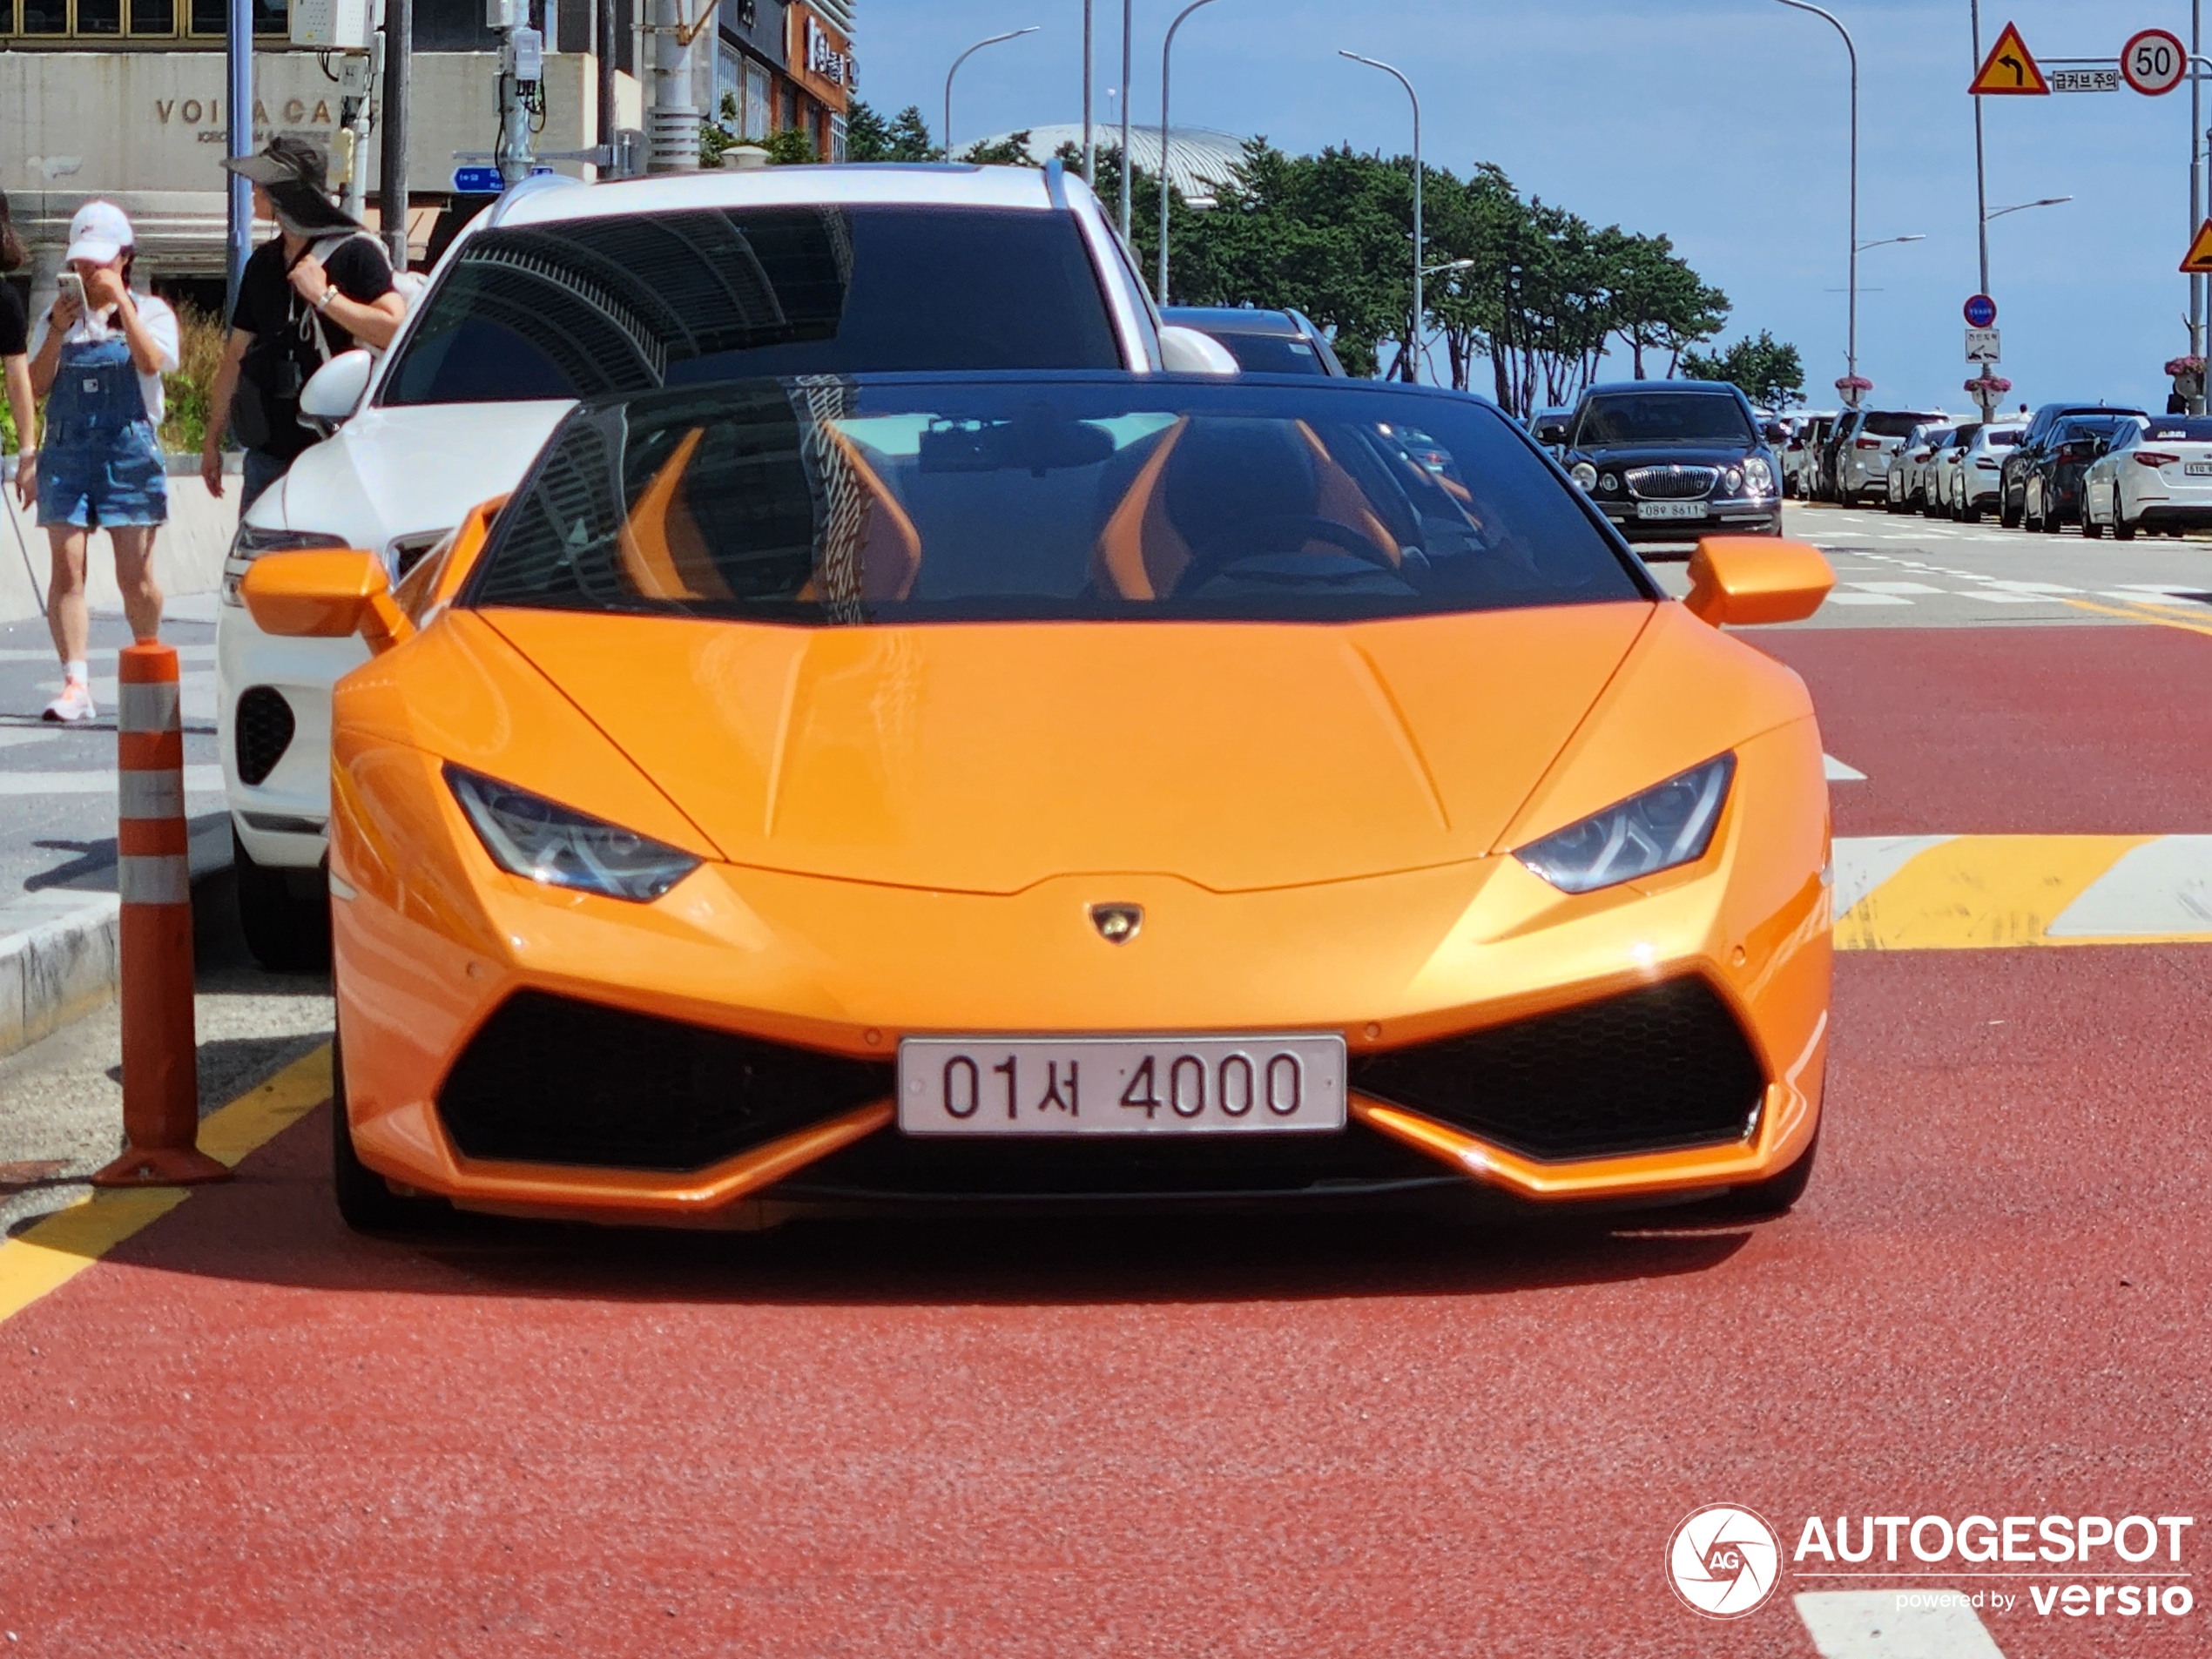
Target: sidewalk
{"x":57,"y":817}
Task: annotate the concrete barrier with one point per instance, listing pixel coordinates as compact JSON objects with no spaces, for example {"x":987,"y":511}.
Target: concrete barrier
{"x":188,"y":554}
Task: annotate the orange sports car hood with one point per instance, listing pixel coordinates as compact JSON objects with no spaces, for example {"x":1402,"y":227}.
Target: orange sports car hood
{"x":985,"y":757}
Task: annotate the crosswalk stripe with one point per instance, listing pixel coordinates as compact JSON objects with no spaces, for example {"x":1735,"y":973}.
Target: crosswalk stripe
{"x":1871,"y":1624}
{"x":2006,"y":891}
{"x":2159,"y":890}
{"x":198,"y":780}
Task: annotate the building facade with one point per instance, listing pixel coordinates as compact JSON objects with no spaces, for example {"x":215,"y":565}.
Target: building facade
{"x":126,"y":99}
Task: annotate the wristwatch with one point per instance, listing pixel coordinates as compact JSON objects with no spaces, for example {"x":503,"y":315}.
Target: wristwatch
{"x":328,"y":294}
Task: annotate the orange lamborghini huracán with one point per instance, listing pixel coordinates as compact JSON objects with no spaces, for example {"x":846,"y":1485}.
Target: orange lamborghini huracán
{"x":824,"y":795}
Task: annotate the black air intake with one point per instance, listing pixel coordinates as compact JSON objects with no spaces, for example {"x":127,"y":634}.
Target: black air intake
{"x":264,"y":729}
{"x":1663,"y":1066}
{"x":549,"y":1080}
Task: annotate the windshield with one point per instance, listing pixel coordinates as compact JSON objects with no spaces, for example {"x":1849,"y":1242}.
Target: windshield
{"x":842,"y":502}
{"x":628,"y":302}
{"x":2003,"y":438}
{"x":1662,"y":417}
{"x":2189,"y":429}
{"x":1273,"y":353}
{"x":1884,"y":425}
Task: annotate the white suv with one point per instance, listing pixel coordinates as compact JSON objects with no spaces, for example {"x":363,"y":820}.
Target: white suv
{"x":564,"y":291}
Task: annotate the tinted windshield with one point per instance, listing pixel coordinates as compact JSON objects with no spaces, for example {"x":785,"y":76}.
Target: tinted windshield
{"x":1662,"y":417}
{"x":2003,"y":438}
{"x":2189,"y":429}
{"x":629,"y":302}
{"x":2077,"y":430}
{"x":1881,"y":424}
{"x":840,"y":502}
{"x":1274,"y":353}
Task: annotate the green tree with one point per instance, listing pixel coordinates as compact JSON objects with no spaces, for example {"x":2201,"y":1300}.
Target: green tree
{"x":791,"y":147}
{"x":1768,"y":370}
{"x":1658,"y":302}
{"x":905,"y":137}
{"x":1010,"y":152}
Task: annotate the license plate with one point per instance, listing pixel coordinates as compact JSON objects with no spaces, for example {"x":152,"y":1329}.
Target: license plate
{"x":2198,"y":469}
{"x":1670,"y":509}
{"x":1033,"y":1086}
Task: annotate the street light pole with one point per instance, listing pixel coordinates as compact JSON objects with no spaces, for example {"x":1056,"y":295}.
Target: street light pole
{"x":1167,"y":47}
{"x":1090,"y":145}
{"x":1420,"y":248}
{"x":1981,"y":177}
{"x":1851,"y":349}
{"x":1011,"y":34}
{"x":1129,"y":165}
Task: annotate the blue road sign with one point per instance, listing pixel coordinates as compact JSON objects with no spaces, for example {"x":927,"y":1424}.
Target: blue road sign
{"x":1981,"y":311}
{"x":477,"y":181}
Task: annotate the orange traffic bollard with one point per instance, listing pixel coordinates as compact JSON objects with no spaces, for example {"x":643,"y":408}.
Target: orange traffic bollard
{"x":160,"y":1043}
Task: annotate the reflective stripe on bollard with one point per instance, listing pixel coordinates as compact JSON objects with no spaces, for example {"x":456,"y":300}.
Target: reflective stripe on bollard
{"x":153,"y":877}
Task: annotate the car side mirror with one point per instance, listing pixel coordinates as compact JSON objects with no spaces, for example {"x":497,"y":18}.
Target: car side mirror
{"x":325,"y":594}
{"x":1189,"y":351}
{"x":334,"y":391}
{"x":1551,"y":434}
{"x":1741,"y":581}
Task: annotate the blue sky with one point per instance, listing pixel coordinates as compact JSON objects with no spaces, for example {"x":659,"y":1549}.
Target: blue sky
{"x":1722,"y":123}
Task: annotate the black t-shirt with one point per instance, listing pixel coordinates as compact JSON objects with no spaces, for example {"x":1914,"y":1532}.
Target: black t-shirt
{"x":14,"y":332}
{"x":275,"y":313}
{"x":268,"y":301}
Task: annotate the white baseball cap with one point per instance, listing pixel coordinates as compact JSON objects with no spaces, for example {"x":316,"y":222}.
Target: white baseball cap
{"x":98,"y":233}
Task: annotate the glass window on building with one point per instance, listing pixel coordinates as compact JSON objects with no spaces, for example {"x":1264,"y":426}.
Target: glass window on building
{"x":45,"y":16}
{"x":153,"y":17}
{"x":837,"y":137}
{"x":758,"y":93}
{"x":729,"y":88}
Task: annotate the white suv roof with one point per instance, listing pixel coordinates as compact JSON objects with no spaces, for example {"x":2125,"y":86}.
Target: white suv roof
{"x":891,"y":184}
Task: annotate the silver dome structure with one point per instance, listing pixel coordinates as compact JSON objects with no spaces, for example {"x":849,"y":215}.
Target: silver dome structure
{"x":1199,"y":158}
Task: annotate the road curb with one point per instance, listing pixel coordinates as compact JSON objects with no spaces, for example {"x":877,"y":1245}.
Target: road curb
{"x":58,"y":960}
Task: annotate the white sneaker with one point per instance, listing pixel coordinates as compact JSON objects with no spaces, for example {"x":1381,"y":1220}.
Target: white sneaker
{"x":74,"y":705}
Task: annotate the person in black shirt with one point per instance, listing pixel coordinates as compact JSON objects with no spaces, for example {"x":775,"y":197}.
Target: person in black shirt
{"x":321,"y":286}
{"x":15,"y":360}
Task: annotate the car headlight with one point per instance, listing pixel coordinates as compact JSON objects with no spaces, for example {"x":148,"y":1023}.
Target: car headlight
{"x":1663,"y":826}
{"x":252,"y":541}
{"x":1758,"y":475}
{"x":529,"y":836}
{"x":1732,"y":481}
{"x":1609,"y":484}
{"x":1583,"y":474}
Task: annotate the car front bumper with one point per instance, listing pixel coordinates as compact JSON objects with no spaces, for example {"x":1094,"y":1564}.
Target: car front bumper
{"x":1759,"y":515}
{"x":432,"y":942}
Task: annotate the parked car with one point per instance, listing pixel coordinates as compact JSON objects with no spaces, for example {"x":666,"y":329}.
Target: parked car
{"x":1866,"y":443}
{"x":1970,"y":481}
{"x":1667,"y":461}
{"x":1262,"y":342}
{"x":933,"y":794}
{"x":1800,"y":452}
{"x":2156,"y":476}
{"x":1555,"y":419}
{"x":563,"y":291}
{"x":2051,"y":495}
{"x":2012,"y":474}
{"x":1935,"y":472}
{"x":1903,"y":487}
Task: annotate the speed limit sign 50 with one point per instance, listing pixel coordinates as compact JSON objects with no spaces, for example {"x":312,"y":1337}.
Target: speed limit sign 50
{"x":2153,"y":62}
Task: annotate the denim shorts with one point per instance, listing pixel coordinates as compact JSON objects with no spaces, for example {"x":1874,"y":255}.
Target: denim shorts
{"x":98,"y":476}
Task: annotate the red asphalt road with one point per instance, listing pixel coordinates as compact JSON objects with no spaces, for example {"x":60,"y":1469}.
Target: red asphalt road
{"x":248,"y":1432}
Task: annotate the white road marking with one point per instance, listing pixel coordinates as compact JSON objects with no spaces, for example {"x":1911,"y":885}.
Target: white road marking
{"x":1894,"y":587}
{"x":2162,"y":887}
{"x":1867,"y":599}
{"x":2016,"y":598}
{"x":199,"y":780}
{"x":184,"y":654}
{"x":1869,"y":1625}
{"x":15,"y":737}
{"x":1837,"y":773}
{"x":2033,"y":587}
{"x":1864,"y":862}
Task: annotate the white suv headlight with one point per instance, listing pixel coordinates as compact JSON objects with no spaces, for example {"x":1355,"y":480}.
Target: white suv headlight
{"x":252,"y":541}
{"x":1668,"y":825}
{"x":527,"y":835}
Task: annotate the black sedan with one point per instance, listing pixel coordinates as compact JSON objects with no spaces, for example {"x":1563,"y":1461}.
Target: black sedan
{"x":2051,"y":484}
{"x":1669,"y":461}
{"x":1262,"y":342}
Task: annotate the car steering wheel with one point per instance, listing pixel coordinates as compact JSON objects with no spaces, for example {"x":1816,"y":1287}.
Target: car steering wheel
{"x":1271,"y":535}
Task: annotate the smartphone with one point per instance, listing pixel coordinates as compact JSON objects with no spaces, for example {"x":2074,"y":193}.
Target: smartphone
{"x":73,"y":287}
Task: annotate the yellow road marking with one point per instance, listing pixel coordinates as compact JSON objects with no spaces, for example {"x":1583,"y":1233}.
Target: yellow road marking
{"x":1982,"y":893}
{"x":2142,"y":615}
{"x":56,"y":1250}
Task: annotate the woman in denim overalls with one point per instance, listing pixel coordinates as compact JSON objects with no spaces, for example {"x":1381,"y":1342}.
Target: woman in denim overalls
{"x":99,"y":465}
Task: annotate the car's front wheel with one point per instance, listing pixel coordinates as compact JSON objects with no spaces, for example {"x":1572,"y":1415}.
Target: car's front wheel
{"x":366,"y":1201}
{"x":284,"y":914}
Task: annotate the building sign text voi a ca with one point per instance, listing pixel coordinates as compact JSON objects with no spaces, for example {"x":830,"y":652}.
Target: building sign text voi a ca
{"x":194,"y":112}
